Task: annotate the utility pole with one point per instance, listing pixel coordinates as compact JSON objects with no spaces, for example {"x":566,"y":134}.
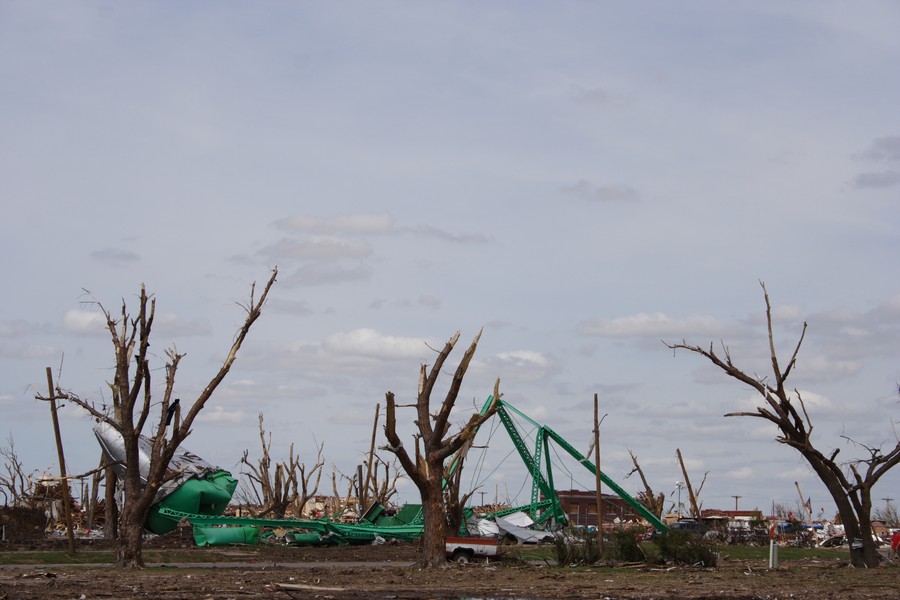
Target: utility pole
{"x":370,"y":462}
{"x":736,"y":502}
{"x":679,"y":485}
{"x":66,"y":497}
{"x":597,"y":471}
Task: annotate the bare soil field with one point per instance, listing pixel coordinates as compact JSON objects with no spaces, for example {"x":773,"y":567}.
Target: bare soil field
{"x":386,"y":571}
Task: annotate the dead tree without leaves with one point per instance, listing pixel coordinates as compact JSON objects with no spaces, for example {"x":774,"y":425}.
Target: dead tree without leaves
{"x":15,"y":484}
{"x":693,"y":494}
{"x":289,"y":484}
{"x":434,"y":445}
{"x":849,"y":483}
{"x":654,"y":502}
{"x":133,"y":399}
{"x":360,"y":491}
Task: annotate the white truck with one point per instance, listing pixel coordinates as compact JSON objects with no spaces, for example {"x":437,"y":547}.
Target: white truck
{"x":465,"y":549}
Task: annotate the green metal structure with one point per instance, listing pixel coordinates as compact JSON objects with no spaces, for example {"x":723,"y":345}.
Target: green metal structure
{"x":544,"y":507}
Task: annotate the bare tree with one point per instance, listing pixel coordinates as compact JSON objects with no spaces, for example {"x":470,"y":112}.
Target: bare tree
{"x":888,"y":515}
{"x":14,"y":484}
{"x":692,"y":494}
{"x":434,"y":445}
{"x":290,"y":484}
{"x":383,"y":484}
{"x":132,"y":392}
{"x":343,"y":502}
{"x":655,"y":503}
{"x":850,"y":490}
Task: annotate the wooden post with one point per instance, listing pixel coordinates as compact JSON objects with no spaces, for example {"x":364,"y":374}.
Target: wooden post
{"x":597,"y":472}
{"x":67,"y":501}
{"x":365,"y":492}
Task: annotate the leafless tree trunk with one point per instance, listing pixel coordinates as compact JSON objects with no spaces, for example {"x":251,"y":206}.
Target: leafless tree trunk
{"x":344,"y":501}
{"x":655,"y":503}
{"x":93,"y":498}
{"x":132,"y":392}
{"x":434,"y":445}
{"x":288,"y":485}
{"x":692,"y":495}
{"x":454,"y":501}
{"x":851,"y":491}
{"x":383,"y":485}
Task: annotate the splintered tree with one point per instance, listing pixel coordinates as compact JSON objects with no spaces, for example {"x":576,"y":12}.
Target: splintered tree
{"x":289,"y":484}
{"x":850,"y":489}
{"x":434,"y":445}
{"x":132,"y":393}
{"x":655,"y":503}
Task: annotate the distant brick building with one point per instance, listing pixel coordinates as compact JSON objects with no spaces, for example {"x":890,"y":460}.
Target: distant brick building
{"x":581,"y":507}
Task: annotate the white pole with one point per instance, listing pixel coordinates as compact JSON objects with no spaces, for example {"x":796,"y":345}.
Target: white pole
{"x":773,"y":549}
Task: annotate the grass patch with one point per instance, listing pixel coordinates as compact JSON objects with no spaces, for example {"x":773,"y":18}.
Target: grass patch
{"x":784,"y":553}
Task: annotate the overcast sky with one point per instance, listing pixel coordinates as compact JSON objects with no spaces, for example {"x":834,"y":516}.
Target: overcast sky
{"x":580,"y":179}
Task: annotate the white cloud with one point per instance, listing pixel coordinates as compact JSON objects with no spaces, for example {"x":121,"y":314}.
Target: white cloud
{"x":524,"y":358}
{"x":84,"y":322}
{"x":373,"y":344}
{"x":586,"y":190}
{"x":353,"y":223}
{"x":116,"y":256}
{"x":787,"y":312}
{"x":741,"y":473}
{"x":516,"y":365}
{"x":657,"y":325}
{"x":289,"y":307}
{"x":434,"y":232}
{"x":316,"y":248}
{"x":350,"y":417}
{"x":171,"y":325}
{"x":35,"y":351}
{"x":794,"y":474}
{"x":428,"y":301}
{"x":324,"y":274}
{"x":219,"y":414}
{"x":14,"y":328}
{"x":823,"y":368}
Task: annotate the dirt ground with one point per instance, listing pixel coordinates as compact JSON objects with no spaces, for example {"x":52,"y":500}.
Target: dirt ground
{"x":385,"y":571}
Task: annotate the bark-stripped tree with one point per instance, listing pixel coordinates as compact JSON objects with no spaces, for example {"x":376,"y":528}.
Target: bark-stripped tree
{"x":655,"y":503}
{"x":133,"y":393}
{"x":434,"y":445}
{"x":851,"y":489}
{"x":291,"y":483}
